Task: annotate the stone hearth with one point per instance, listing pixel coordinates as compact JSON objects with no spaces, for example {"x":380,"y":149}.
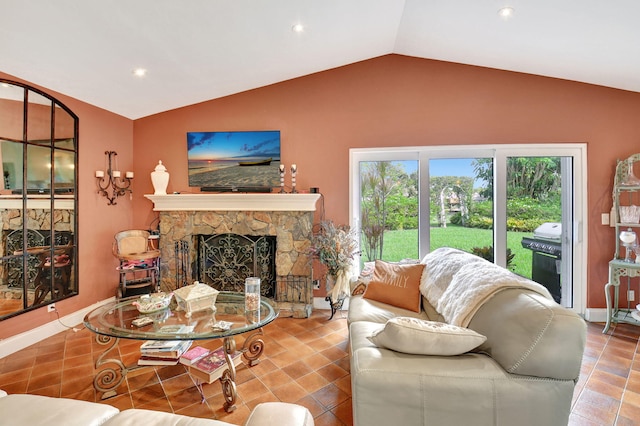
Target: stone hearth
{"x":288,"y":217}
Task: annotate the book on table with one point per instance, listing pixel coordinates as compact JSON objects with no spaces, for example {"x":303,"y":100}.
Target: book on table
{"x":193,"y":355}
{"x":152,"y":360}
{"x":211,"y":367}
{"x":165,"y":348}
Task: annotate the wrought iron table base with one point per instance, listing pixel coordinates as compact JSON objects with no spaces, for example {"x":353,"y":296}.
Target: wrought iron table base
{"x":108,"y":379}
{"x":252,"y":348}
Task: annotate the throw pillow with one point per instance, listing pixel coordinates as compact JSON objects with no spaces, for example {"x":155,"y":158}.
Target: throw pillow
{"x":367,"y":270}
{"x":396,"y":284}
{"x":422,"y":337}
{"x":359,"y":288}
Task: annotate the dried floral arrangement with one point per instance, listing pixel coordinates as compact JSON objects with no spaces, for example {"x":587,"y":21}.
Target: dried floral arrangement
{"x":334,"y":246}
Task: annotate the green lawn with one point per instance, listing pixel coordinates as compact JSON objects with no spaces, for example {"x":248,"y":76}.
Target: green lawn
{"x":404,"y":244}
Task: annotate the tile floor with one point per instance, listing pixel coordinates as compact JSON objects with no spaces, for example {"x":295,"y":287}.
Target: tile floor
{"x":305,"y":361}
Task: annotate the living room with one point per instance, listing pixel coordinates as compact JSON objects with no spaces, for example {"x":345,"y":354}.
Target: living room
{"x":386,"y":100}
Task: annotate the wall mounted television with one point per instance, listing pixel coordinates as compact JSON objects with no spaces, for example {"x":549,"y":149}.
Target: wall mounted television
{"x":242,"y":161}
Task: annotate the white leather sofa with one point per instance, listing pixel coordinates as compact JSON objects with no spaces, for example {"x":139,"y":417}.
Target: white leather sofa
{"x":523,"y":374}
{"x":36,"y":410}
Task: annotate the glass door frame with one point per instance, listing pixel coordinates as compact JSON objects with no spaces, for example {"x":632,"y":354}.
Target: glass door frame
{"x":575,"y":197}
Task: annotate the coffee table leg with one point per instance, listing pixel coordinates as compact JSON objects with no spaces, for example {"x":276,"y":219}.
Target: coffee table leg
{"x":253,"y":347}
{"x":108,"y":379}
{"x":228,"y":379}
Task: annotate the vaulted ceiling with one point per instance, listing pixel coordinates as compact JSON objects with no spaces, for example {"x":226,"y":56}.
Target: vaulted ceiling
{"x":196,"y":50}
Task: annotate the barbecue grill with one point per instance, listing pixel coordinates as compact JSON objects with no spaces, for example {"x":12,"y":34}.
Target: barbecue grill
{"x":546,"y":245}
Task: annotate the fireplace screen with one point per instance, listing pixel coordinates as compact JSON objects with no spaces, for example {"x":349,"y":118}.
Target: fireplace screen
{"x":35,"y":238}
{"x":225,"y":260}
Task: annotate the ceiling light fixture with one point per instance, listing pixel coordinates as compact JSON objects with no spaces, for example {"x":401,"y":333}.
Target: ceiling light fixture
{"x":297,"y":28}
{"x":139,"y":72}
{"x":506,"y":12}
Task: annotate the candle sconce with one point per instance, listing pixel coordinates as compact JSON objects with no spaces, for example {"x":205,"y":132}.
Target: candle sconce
{"x":113,"y":180}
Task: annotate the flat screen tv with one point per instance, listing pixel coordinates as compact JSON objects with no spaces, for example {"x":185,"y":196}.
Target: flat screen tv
{"x":242,"y":161}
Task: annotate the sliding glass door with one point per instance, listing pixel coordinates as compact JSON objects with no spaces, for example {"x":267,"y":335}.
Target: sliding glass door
{"x":518,"y":206}
{"x":388,"y":209}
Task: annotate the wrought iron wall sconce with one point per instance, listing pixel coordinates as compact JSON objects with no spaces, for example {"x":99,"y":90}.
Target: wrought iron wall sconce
{"x":113,"y":180}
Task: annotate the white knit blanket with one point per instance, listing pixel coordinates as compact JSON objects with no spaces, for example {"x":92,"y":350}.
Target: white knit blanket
{"x":457,"y":284}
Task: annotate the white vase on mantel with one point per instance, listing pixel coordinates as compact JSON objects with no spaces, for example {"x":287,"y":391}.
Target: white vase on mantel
{"x":160,"y":179}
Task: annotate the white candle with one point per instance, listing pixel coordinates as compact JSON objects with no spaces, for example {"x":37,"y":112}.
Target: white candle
{"x":99,"y":173}
{"x":115,"y":173}
{"x":294,"y":168}
{"x":129,"y":175}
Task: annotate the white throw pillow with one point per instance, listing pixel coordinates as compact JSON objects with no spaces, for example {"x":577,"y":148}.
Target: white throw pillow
{"x":421,"y":337}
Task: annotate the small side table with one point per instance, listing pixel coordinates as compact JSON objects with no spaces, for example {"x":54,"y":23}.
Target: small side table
{"x":618,"y":269}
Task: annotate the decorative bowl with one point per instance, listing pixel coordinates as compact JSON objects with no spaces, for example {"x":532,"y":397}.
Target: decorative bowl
{"x":154,"y":302}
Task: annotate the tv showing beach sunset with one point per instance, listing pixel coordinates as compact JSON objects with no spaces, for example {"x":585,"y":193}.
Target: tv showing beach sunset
{"x":234,"y":161}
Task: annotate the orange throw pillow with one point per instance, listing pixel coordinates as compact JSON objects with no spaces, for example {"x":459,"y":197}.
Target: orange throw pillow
{"x":396,"y":284}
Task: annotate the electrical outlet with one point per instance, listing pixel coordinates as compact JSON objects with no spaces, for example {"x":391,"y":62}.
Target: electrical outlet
{"x":51,"y":307}
{"x":632,"y":295}
{"x":316,"y":284}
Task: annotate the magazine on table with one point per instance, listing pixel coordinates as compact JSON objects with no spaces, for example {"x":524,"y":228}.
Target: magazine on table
{"x":173,"y":348}
{"x":193,"y":355}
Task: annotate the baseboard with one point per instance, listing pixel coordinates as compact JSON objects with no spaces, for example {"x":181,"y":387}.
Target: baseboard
{"x":595,"y":315}
{"x":20,"y":341}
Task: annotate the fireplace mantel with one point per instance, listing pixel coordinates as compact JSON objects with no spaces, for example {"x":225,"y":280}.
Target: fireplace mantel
{"x":234,"y":202}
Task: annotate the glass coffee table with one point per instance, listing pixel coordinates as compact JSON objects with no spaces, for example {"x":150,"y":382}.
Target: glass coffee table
{"x":114,"y":321}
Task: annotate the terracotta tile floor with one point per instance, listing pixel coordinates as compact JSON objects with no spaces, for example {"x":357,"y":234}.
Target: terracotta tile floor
{"x":305,"y":361}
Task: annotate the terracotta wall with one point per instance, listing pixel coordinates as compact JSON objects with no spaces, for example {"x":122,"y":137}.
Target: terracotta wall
{"x":387,"y":101}
{"x":402,"y":101}
{"x":99,"y":130}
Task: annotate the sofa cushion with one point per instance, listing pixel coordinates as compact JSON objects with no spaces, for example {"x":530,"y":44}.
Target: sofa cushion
{"x":36,"y":410}
{"x":416,"y":336}
{"x":135,"y":417}
{"x":396,"y":284}
{"x":361,"y":309}
{"x":394,"y":388}
{"x":532,"y":335}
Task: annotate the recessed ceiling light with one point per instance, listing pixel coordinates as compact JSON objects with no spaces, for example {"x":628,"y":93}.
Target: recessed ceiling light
{"x":297,"y":28}
{"x":506,"y":12}
{"x":139,"y":72}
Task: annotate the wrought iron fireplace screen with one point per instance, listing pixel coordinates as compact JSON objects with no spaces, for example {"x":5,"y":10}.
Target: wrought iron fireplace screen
{"x":35,"y":238}
{"x":225,"y":260}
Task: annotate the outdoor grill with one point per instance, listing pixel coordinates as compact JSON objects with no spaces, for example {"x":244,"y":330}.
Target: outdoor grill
{"x":546,"y":245}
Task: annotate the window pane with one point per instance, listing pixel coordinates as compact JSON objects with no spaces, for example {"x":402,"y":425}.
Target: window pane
{"x":389,"y":210}
{"x":534,"y":220}
{"x":461,"y":206}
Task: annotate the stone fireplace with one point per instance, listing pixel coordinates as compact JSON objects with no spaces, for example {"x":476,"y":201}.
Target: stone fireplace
{"x":185,"y":218}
